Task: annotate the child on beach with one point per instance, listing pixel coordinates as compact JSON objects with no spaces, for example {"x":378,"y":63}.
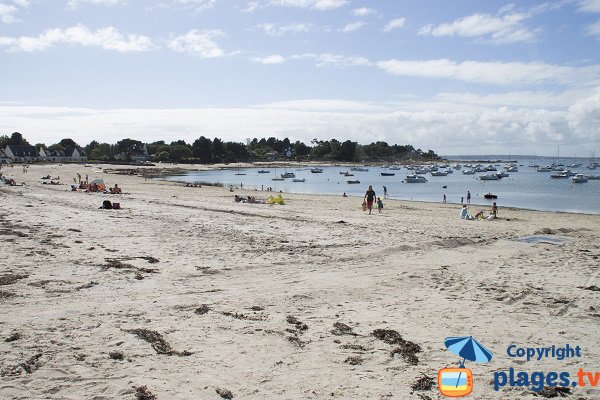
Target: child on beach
{"x":379,"y":204}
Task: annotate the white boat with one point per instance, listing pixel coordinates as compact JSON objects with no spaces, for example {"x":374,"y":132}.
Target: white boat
{"x":544,"y":169}
{"x":579,"y":178}
{"x":512,"y":169}
{"x":415,"y":179}
{"x":489,"y":177}
{"x":359,"y":169}
{"x":421,"y":171}
{"x":449,"y":171}
{"x":490,"y":168}
{"x":439,"y":173}
{"x":479,"y":168}
{"x":502,"y":174}
{"x":575,"y":165}
{"x":299,"y":180}
{"x":317,"y":170}
{"x":559,"y":175}
{"x":457,"y":166}
{"x":395,"y":168}
{"x":468,"y":172}
{"x":288,"y":175}
{"x":348,"y":174}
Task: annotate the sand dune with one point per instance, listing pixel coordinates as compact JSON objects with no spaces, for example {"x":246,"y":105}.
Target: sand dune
{"x":186,"y":294}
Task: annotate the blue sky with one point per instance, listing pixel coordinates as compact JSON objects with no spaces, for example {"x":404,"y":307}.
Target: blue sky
{"x":459,"y":77}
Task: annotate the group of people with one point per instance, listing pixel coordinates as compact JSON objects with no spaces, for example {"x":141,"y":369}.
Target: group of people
{"x":242,"y":199}
{"x":370,"y":198}
{"x":464,"y":213}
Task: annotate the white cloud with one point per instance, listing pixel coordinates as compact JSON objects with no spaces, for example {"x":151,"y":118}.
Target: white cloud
{"x":251,"y":6}
{"x":590,"y":6}
{"x":495,"y":73}
{"x":322,"y":5}
{"x":500,"y":29}
{"x":352,"y":27}
{"x":198,"y":43}
{"x":593,"y":29}
{"x":272,"y":59}
{"x":108,"y":38}
{"x":196,"y":5}
{"x":76,"y":3}
{"x":335,"y":60}
{"x":394,"y":24}
{"x":280,"y":30}
{"x":22,"y":3}
{"x":363,"y":11}
{"x":499,"y":126}
{"x":7,"y":13}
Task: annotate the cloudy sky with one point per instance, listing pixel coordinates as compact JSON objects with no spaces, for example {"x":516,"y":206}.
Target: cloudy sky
{"x":458,"y":77}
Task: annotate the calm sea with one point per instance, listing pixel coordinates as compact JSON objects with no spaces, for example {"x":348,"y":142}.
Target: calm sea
{"x":525,"y":189}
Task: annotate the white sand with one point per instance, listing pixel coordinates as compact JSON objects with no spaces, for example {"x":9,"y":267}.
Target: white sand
{"x":416,"y":268}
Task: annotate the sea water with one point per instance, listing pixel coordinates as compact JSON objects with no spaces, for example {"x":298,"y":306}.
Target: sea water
{"x":524,"y":189}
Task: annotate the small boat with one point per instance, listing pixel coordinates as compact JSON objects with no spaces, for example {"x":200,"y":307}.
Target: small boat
{"x":415,"y":179}
{"x":263,"y":171}
{"x":387,"y":174}
{"x":490,"y":168}
{"x":353,"y":182}
{"x":579,"y":178}
{"x":299,"y":180}
{"x":449,"y":171}
{"x":479,"y":168}
{"x":359,"y":169}
{"x":575,"y":165}
{"x":395,"y":168}
{"x":468,"y":172}
{"x":489,"y":177}
{"x":439,"y":173}
{"x":502,"y":174}
{"x":594,"y":177}
{"x":457,"y":166}
{"x":421,"y":171}
{"x":559,"y":175}
{"x":317,"y":170}
{"x":288,"y":175}
{"x":544,"y":169}
{"x":512,"y":169}
{"x":278,"y":179}
{"x":348,"y":174}
{"x":490,"y":196}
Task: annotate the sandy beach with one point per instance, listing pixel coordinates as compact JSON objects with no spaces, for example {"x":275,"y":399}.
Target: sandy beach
{"x":185,"y":294}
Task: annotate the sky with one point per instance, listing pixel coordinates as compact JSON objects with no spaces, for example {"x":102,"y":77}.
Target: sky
{"x":457,"y":77}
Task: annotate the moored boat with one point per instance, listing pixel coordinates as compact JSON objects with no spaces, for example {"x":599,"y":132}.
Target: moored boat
{"x":317,"y":170}
{"x":353,"y":182}
{"x":415,"y":179}
{"x":490,"y":196}
{"x":489,"y":177}
{"x":387,"y":174}
{"x":579,"y":178}
{"x":288,"y":175}
{"x":299,"y":180}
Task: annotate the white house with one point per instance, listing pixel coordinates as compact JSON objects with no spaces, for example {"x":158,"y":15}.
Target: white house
{"x":21,"y":153}
{"x":66,"y":155}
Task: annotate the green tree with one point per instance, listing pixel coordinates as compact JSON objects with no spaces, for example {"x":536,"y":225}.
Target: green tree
{"x":202,"y":149}
{"x":179,"y":152}
{"x":129,"y":147}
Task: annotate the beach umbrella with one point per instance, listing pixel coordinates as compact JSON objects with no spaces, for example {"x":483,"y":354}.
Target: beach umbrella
{"x":469,"y":349}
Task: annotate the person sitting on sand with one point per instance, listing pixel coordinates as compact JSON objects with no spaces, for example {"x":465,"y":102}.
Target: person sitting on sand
{"x":479,"y":214}
{"x":116,"y":190}
{"x":464,"y":213}
{"x":238,"y":199}
{"x":344,"y":195}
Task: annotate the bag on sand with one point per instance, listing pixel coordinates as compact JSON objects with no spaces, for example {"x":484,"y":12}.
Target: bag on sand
{"x":107,"y":205}
{"x":116,"y":206}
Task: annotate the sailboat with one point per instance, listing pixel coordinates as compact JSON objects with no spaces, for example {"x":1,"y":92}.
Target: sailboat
{"x":276,"y":178}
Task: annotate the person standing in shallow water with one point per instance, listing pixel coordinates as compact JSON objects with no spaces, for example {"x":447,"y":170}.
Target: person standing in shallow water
{"x":370,"y":198}
{"x":468,"y":197}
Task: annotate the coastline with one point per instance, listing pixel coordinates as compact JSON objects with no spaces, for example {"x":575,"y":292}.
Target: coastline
{"x":254,"y":292}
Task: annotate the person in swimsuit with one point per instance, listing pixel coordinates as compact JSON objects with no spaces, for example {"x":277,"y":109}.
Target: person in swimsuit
{"x":370,"y":197}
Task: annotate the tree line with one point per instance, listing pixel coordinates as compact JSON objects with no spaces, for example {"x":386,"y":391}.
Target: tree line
{"x":207,"y":151}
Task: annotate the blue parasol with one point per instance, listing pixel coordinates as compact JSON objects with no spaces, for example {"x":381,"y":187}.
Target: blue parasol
{"x":469,"y":349}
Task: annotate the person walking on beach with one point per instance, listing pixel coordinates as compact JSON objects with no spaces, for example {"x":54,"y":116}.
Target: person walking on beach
{"x":379,"y":205}
{"x":468,"y":197}
{"x":462,"y":200}
{"x":444,"y":201}
{"x":370,"y":197}
{"x":385,"y":195}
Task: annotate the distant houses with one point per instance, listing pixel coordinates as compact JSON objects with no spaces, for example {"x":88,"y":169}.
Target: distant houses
{"x":27,"y":154}
{"x":67,"y":155}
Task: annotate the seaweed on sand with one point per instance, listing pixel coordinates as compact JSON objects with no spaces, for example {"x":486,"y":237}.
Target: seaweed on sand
{"x":159,"y":344}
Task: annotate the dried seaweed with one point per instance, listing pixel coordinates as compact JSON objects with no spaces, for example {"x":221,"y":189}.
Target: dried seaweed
{"x":423,"y":383}
{"x":159,"y":344}
{"x":224,"y":393}
{"x":9,"y":279}
{"x":142,"y":393}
